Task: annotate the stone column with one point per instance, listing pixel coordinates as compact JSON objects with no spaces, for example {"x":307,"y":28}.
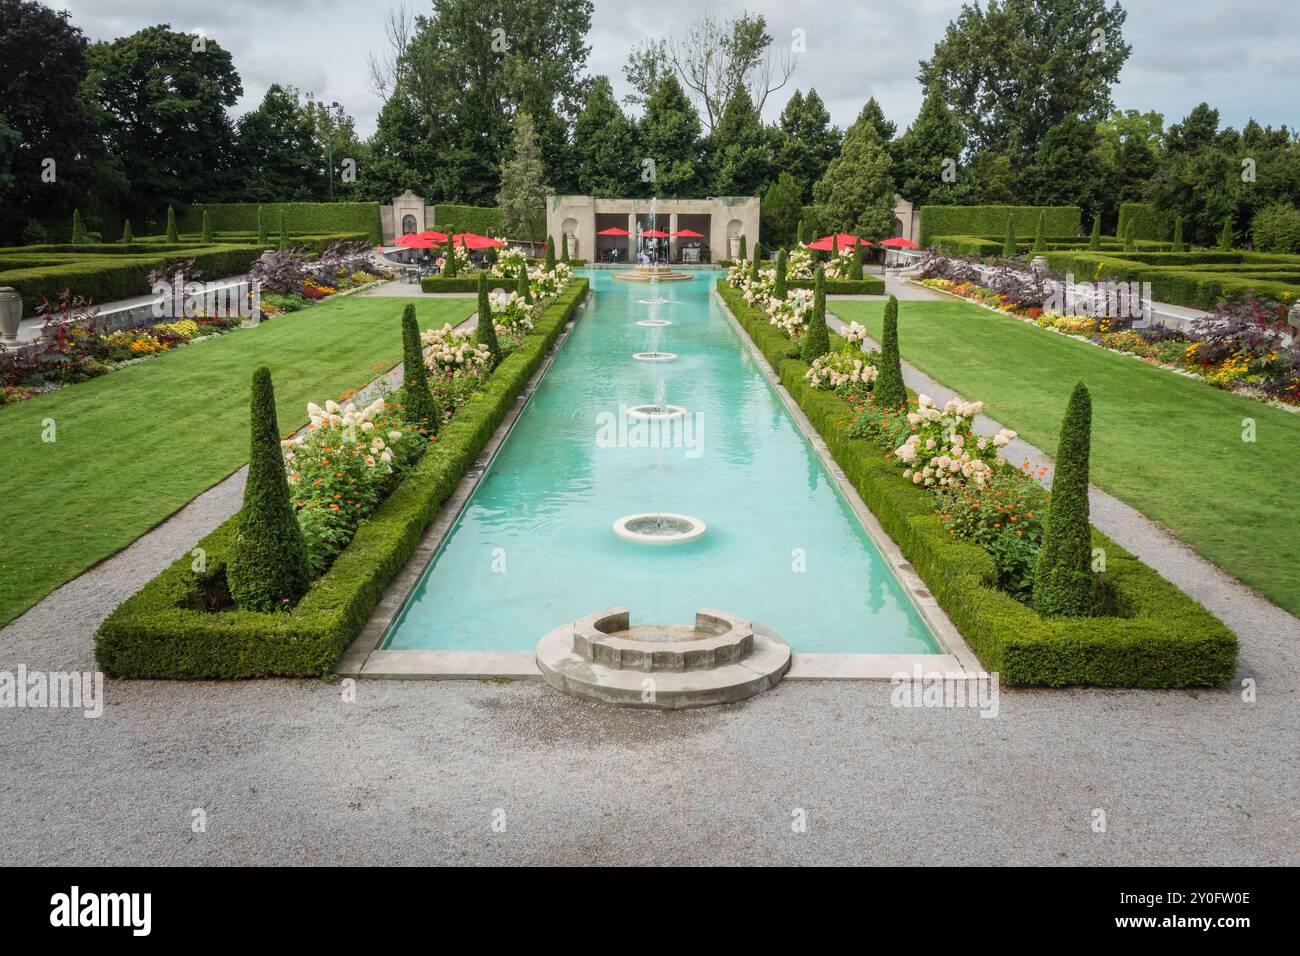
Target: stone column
{"x":672,"y":242}
{"x":631,"y":237}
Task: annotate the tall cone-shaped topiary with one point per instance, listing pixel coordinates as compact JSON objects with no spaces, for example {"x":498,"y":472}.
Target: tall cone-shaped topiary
{"x":855,"y":271}
{"x":780,"y":290}
{"x":802,"y":235}
{"x":205,"y":231}
{"x":172,"y":234}
{"x":816,"y":338}
{"x":449,"y":259}
{"x":419,"y":406}
{"x":1179,"y":245}
{"x":262,"y":239}
{"x":267,"y":569}
{"x":284,"y":234}
{"x":1040,"y":233}
{"x":753,"y":263}
{"x":127,"y":235}
{"x":1063,"y":577}
{"x":835,"y":245}
{"x":523,"y":287}
{"x":1226,"y":236}
{"x":743,"y":252}
{"x":549,"y":265}
{"x":79,"y":235}
{"x":889,"y":388}
{"x":1094,"y":243}
{"x":564,"y":247}
{"x":486,"y":328}
{"x":1009,"y":244}
{"x":1130,"y":244}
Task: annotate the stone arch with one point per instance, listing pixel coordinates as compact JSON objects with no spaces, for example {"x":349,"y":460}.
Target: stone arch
{"x":409,"y":224}
{"x":570,"y":229}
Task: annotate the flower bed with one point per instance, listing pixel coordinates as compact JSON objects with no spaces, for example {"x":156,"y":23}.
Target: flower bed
{"x":1158,"y":637}
{"x":163,"y":631}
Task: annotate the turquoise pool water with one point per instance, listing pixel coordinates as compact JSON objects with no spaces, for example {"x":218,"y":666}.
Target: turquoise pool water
{"x":534,"y":546}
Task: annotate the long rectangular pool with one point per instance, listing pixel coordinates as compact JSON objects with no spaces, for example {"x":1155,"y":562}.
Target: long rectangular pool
{"x":534,"y":545}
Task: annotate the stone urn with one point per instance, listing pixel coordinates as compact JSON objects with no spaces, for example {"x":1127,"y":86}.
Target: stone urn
{"x":11,"y":313}
{"x":1292,"y":316}
{"x":1038,"y":265}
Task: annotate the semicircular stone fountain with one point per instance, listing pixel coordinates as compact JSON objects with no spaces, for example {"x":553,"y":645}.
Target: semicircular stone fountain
{"x":656,"y":411}
{"x":654,"y":323}
{"x":654,"y":356}
{"x":659,"y":527}
{"x":719,"y":659}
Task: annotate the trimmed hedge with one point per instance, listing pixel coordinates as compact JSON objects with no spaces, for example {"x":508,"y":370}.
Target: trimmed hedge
{"x":1178,"y":277}
{"x":1148,"y":222}
{"x":301,"y":217}
{"x":867,"y":285}
{"x":456,"y":284}
{"x":992,"y":220}
{"x":987,"y":247}
{"x":452,"y":218}
{"x":1163,"y":639}
{"x":161,"y":631}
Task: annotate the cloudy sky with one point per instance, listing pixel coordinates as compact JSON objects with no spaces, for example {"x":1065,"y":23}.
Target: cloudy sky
{"x":1239,"y":55}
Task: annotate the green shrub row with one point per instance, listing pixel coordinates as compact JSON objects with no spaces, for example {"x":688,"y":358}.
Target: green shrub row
{"x":989,"y":247}
{"x":867,"y":285}
{"x":1148,"y":222}
{"x":1163,"y":639}
{"x":1175,"y":281}
{"x":299,"y":217}
{"x":162,"y":632}
{"x":992,"y":221}
{"x":453,"y":218}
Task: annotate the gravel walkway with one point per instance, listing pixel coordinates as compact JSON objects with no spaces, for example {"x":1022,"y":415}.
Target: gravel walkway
{"x":289,"y":772}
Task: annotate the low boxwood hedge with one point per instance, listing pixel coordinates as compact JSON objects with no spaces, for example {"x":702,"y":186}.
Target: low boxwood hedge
{"x":867,"y":285}
{"x":1163,"y":638}
{"x":1172,"y":279}
{"x":460,"y":283}
{"x":162,"y":631}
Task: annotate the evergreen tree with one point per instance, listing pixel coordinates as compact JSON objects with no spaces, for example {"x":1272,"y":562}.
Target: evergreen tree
{"x":1040,"y":233}
{"x":1179,"y":245}
{"x":780,"y":289}
{"x":449,"y":268}
{"x":857,"y":193}
{"x":522,"y":196}
{"x":925,"y":156}
{"x":549,"y":261}
{"x":1094,"y":243}
{"x":523,"y":287}
{"x":564,"y":247}
{"x":816,"y":338}
{"x":743,"y":251}
{"x":742,"y":153}
{"x":79,"y":235}
{"x":1009,"y":244}
{"x":889,"y":388}
{"x":860,"y":250}
{"x":172,"y":234}
{"x":670,"y":136}
{"x":602,"y":137}
{"x":1226,"y":236}
{"x":262,"y":238}
{"x":267,"y":569}
{"x":419,"y":405}
{"x":486,"y":327}
{"x":205,"y":231}
{"x":1063,"y":578}
{"x":127,"y":235}
{"x":753,"y":264}
{"x":782,"y":208}
{"x":873,"y":114}
{"x":803,"y":232}
{"x":807,"y":141}
{"x":1129,"y":242}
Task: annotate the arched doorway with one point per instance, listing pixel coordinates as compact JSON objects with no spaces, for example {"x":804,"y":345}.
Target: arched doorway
{"x":408,"y":224}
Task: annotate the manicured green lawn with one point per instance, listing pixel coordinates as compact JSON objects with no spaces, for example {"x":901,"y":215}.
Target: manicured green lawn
{"x":1168,"y":445}
{"x":135,"y":445}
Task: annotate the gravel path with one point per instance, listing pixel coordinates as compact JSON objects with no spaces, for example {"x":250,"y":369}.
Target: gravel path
{"x":289,"y":772}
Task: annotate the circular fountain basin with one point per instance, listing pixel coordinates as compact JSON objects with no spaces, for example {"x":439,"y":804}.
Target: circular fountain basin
{"x":653,"y":301}
{"x":659,"y":528}
{"x":656,"y":411}
{"x":655,"y":356}
{"x":654,"y":323}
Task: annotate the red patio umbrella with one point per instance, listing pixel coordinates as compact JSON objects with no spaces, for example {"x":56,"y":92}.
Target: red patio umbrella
{"x":434,"y":235}
{"x":688,"y":234}
{"x":846,"y":240}
{"x":654,"y":234}
{"x":472,"y":240}
{"x":413,"y":240}
{"x":898,"y":242}
{"x":613,"y":231}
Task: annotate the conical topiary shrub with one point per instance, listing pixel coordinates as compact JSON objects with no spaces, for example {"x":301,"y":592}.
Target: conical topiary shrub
{"x":1009,"y":245}
{"x":816,"y":338}
{"x":802,"y":235}
{"x":1040,"y":233}
{"x":172,"y":234}
{"x":753,"y":263}
{"x":564,"y":247}
{"x":127,"y":234}
{"x":79,"y":235}
{"x":1130,"y":244}
{"x":1063,"y":577}
{"x":1179,"y":245}
{"x":550,"y":255}
{"x":262,"y":239}
{"x":889,"y":388}
{"x":1094,"y":243}
{"x":284,"y":234}
{"x":205,"y":232}
{"x":743,"y":256}
{"x":449,"y":259}
{"x":267,"y":568}
{"x":523,"y":287}
{"x":780,"y":290}
{"x":859,"y":251}
{"x":1226,"y":236}
{"x":486,"y":328}
{"x":419,"y":407}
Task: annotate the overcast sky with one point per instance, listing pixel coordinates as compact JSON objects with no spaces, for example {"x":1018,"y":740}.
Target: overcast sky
{"x":1239,"y":55}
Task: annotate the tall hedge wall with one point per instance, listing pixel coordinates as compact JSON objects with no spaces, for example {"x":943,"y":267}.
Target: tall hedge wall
{"x":299,"y":217}
{"x":1148,"y":222}
{"x":992,"y":220}
{"x":450,"y":217}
